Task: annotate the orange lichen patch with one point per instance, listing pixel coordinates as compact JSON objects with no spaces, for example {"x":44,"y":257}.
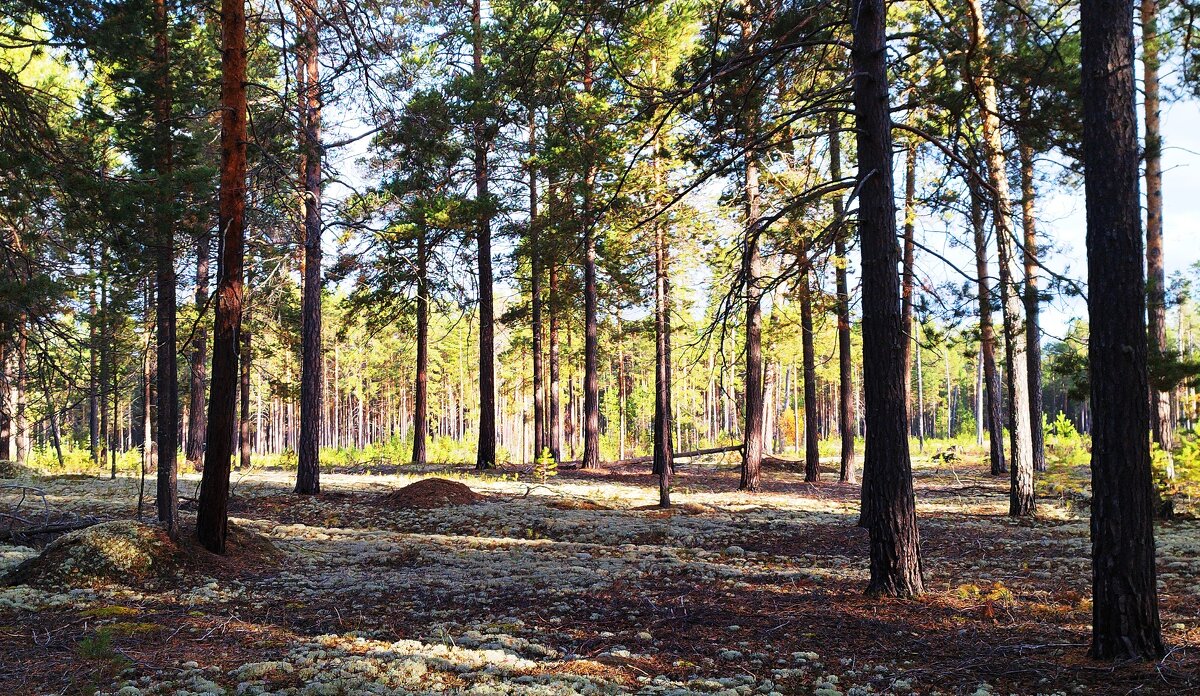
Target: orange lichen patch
{"x":430,"y":493}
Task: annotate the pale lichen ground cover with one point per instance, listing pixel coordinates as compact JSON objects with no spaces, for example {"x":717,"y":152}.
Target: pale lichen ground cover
{"x":530,"y":592}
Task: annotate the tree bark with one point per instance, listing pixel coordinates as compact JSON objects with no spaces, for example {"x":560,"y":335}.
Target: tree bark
{"x":1125,"y":621}
{"x":1033,"y":329}
{"x":664,"y":458}
{"x":106,"y":379}
{"x":591,"y":300}
{"x":1156,"y":280}
{"x":888,"y":507}
{"x":212,"y":509}
{"x":1021,"y":496}
{"x":486,"y":452}
{"x":421,"y":387}
{"x":7,"y":402}
{"x":752,"y":452}
{"x":845,"y":357}
{"x":308,"y":470}
{"x":199,"y":362}
{"x":994,"y":413}
{"x":812,"y":457}
{"x":21,"y":428}
{"x":167,"y":374}
{"x":920,"y":394}
{"x":906,"y":274}
{"x":556,"y":415}
{"x":94,"y":385}
{"x":244,"y":393}
{"x":535,"y":292}
{"x":591,"y":344}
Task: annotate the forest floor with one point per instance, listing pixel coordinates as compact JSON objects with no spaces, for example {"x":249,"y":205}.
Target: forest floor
{"x":581,"y":587}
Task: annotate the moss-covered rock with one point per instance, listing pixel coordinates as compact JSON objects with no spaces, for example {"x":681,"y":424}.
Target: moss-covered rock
{"x":123,"y":552}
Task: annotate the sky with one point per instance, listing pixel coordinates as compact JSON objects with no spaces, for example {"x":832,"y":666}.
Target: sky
{"x":1064,"y":218}
{"x":1062,"y":221}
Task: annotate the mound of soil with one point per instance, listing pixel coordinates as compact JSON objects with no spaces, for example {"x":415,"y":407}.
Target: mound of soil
{"x":430,"y":493}
{"x":123,"y":552}
{"x":247,"y":552}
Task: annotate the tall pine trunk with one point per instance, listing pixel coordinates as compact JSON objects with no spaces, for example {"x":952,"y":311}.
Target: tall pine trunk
{"x":845,"y":356}
{"x":591,"y":301}
{"x":21,"y":396}
{"x":1033,"y":329}
{"x":486,"y":452}
{"x":106,"y":378}
{"x":664,"y":450}
{"x":212,"y":510}
{"x":535,"y":291}
{"x":906,"y":273}
{"x":244,"y":394}
{"x":93,"y":395}
{"x":812,"y":456}
{"x":752,"y":447}
{"x":199,"y":362}
{"x":1125,"y":621}
{"x":167,"y":375}
{"x":754,"y":378}
{"x":1156,"y":281}
{"x":556,"y":415}
{"x":888,"y":507}
{"x":920,"y":394}
{"x":994,"y":412}
{"x":591,"y":341}
{"x":1021,"y":497}
{"x":752,"y":451}
{"x":308,"y":471}
{"x":421,"y":387}
{"x":7,"y":403}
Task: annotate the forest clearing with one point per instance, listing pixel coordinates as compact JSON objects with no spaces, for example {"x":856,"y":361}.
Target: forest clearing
{"x":550,"y":347}
{"x":583,"y":586}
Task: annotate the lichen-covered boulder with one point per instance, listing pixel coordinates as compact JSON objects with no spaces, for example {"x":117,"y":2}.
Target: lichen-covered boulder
{"x":123,"y":552}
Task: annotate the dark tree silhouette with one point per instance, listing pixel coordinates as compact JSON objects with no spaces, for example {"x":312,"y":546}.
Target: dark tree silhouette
{"x":308,"y":470}
{"x":1125,"y":621}
{"x":486,"y":452}
{"x":167,"y":376}
{"x":888,"y":508}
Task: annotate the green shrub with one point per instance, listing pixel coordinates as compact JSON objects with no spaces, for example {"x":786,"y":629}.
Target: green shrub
{"x":77,"y":459}
{"x":1182,"y":491}
{"x":1065,"y":446}
{"x":99,"y":648}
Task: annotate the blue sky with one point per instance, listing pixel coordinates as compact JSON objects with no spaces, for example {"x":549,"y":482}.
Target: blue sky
{"x":1063,"y":212}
